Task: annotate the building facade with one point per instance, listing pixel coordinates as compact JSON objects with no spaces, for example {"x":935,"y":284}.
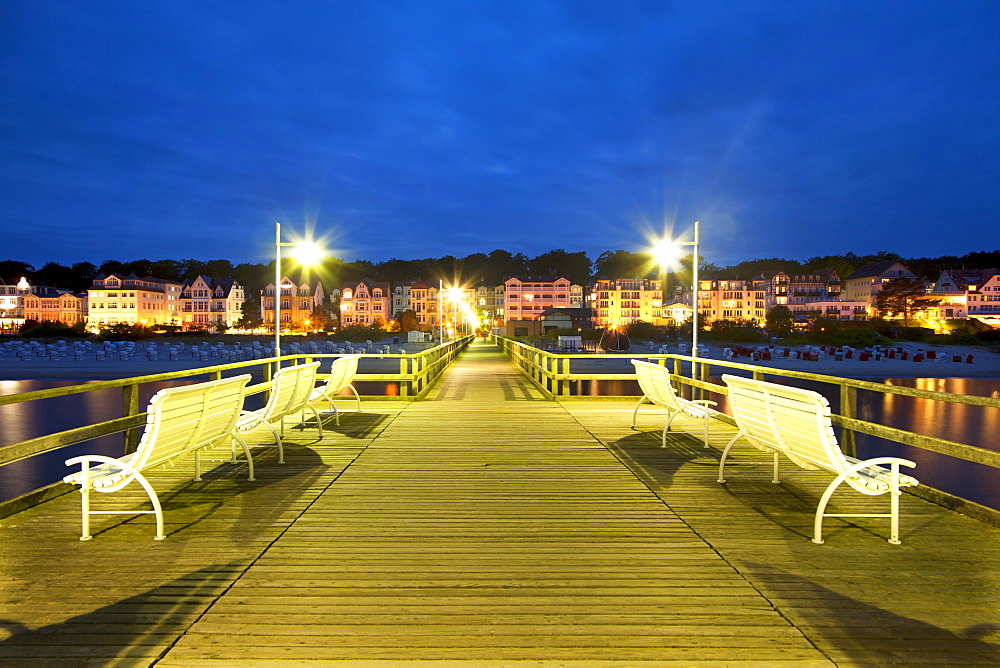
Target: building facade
{"x":732,"y":300}
{"x":56,"y":305}
{"x":622,"y":301}
{"x":867,"y":281}
{"x":211,"y":303}
{"x":969,"y":293}
{"x":366,"y":302}
{"x":296,"y":305}
{"x":526,"y":298}
{"x":834,"y":310}
{"x":12,"y":304}
{"x":426,"y":303}
{"x":488,"y":303}
{"x":131,"y":300}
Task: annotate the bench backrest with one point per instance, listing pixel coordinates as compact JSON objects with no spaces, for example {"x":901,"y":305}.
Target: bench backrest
{"x":290,"y":390}
{"x":793,"y":421}
{"x":342,"y":373}
{"x":183,"y":419}
{"x":654,"y":380}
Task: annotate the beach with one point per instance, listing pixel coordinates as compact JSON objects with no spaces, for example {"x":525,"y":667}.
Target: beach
{"x":99,"y":363}
{"x":985,"y":363}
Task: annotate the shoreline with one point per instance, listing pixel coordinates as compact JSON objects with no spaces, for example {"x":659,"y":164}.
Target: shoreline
{"x":985,"y":364}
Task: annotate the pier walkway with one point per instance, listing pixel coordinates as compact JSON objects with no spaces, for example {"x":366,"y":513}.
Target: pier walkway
{"x":487,"y":525}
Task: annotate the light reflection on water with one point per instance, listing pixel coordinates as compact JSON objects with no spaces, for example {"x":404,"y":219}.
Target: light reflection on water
{"x":974,"y":425}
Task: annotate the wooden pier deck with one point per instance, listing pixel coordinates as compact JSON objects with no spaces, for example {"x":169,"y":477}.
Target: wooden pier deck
{"x":487,"y":525}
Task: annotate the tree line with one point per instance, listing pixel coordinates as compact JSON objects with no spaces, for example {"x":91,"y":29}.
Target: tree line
{"x":489,"y":268}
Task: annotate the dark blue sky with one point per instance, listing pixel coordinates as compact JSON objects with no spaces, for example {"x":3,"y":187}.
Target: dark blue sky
{"x":419,"y":129}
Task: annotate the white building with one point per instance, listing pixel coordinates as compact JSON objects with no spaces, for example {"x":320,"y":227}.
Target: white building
{"x":208,"y":302}
{"x":131,"y":300}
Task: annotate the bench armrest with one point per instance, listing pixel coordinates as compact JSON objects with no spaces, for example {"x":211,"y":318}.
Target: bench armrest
{"x":875,"y":461}
{"x":85,"y":460}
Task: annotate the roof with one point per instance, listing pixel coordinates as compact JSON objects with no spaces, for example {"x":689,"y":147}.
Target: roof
{"x":963,"y":278}
{"x":873,"y":269}
{"x":581,"y":312}
{"x":213,"y":283}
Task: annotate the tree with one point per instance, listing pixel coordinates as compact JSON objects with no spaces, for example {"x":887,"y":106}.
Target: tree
{"x":319,"y":318}
{"x":83,"y":275}
{"x":903,"y":296}
{"x":11,"y":271}
{"x":624,"y":264}
{"x":750,"y":268}
{"x":249,"y":315}
{"x":408,"y":321}
{"x":778,"y":320}
{"x":502,"y":265}
{"x":574,"y":266}
{"x":56,"y":275}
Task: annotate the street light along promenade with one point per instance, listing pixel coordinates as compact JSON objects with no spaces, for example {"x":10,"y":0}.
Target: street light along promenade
{"x":307,"y":253}
{"x":667,"y":251}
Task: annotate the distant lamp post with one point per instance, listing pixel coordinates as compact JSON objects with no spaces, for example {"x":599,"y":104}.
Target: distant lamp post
{"x":455,"y":295}
{"x":667,"y":252}
{"x":307,"y":253}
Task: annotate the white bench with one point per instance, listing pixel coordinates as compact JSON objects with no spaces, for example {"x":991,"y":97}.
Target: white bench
{"x":291,"y":388}
{"x":341,"y":376}
{"x":654,"y":380}
{"x":180,"y":421}
{"x":796,"y":423}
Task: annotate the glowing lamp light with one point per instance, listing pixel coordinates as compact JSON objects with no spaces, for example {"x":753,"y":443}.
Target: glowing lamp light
{"x":307,"y":253}
{"x":667,"y":252}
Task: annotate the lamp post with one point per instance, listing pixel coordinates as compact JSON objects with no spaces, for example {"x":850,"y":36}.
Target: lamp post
{"x":455,"y":295}
{"x":307,"y":253}
{"x":666,"y":251}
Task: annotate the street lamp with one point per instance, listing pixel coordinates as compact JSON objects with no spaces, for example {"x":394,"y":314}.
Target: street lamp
{"x":667,"y":251}
{"x":306,"y":252}
{"x":455,"y":295}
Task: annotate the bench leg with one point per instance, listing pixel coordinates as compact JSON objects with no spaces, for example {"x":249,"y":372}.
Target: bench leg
{"x":157,"y":509}
{"x":666,"y":428}
{"x":725,"y":453}
{"x":894,"y":504}
{"x":319,"y":421}
{"x":246,"y":451}
{"x":85,"y":505}
{"x":357,"y":397}
{"x":635,"y":411}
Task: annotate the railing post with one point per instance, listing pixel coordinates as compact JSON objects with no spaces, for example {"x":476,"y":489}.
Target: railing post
{"x":848,"y":409}
{"x":705,"y":377}
{"x":130,"y":407}
{"x":268,"y":375}
{"x":404,"y":385}
{"x":566,"y":371}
